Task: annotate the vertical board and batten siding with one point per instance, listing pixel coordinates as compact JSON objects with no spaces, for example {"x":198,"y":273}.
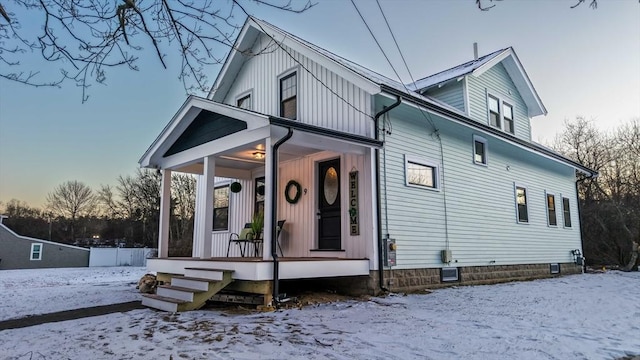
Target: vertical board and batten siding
{"x":299,"y":236}
{"x":300,"y":231}
{"x":451,"y":94}
{"x":497,"y":81}
{"x":481,"y":210}
{"x":316,"y":104}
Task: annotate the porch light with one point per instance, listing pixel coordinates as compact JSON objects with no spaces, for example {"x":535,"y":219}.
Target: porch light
{"x":259,"y":155}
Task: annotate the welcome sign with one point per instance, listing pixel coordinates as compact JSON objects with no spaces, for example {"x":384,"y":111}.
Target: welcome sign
{"x":354,"y":224}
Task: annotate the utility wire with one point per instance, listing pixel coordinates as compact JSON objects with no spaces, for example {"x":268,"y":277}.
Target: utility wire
{"x":301,"y":64}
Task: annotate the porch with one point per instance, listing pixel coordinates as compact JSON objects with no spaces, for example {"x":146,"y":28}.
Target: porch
{"x":258,"y":269}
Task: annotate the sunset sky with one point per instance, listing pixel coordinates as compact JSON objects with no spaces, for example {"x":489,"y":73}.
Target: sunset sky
{"x":581,"y":62}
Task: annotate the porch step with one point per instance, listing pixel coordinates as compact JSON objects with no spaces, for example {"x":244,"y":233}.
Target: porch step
{"x":193,"y":283}
{"x":161,"y":302}
{"x":177,"y":292}
{"x":187,"y":293}
{"x":204,"y":273}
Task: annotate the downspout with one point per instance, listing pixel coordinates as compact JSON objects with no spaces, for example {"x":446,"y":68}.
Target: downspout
{"x":274,"y":212}
{"x":379,"y":193}
{"x":578,"y":181}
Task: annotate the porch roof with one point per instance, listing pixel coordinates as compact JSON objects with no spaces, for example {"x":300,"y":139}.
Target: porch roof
{"x":201,"y":122}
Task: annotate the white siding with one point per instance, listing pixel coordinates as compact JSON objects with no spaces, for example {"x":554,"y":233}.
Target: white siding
{"x":481,"y":212}
{"x":452,"y":94}
{"x":496,"y":81}
{"x":300,"y":234}
{"x":317,"y":105}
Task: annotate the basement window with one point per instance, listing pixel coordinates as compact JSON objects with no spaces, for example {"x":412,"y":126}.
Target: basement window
{"x":36,"y":251}
{"x":521,"y":205}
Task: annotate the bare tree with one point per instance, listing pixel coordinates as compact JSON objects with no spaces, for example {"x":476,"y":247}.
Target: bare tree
{"x":71,"y":200}
{"x":611,"y":202}
{"x":87,"y":37}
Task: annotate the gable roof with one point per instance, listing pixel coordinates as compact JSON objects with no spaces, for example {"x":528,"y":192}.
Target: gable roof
{"x":477,"y":67}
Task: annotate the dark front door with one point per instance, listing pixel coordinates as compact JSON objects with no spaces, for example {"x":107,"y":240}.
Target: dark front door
{"x":329,"y":203}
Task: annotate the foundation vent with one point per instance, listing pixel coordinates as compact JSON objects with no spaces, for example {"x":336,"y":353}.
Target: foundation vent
{"x":449,"y":274}
{"x":555,"y":268}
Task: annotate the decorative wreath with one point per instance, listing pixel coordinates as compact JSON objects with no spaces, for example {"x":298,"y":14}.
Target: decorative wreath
{"x":287,"y":190}
{"x":235,"y":187}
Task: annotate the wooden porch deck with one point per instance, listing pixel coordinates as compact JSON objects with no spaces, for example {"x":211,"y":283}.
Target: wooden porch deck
{"x":258,"y":269}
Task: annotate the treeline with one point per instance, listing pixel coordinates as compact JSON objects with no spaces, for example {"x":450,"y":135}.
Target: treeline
{"x":126,"y":214}
{"x":609,"y":203}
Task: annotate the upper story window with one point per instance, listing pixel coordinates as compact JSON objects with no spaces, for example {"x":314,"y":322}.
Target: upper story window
{"x":494,"y":112}
{"x":221,"y":208}
{"x":566,"y":212}
{"x":421,"y":173}
{"x":551,"y":210}
{"x":521,"y":204}
{"x":501,"y":114}
{"x":479,"y":150}
{"x":36,"y":251}
{"x":288,"y":96}
{"x":244,"y":102}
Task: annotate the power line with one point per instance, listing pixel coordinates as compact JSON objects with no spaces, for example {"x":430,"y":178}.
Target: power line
{"x":302,"y":65}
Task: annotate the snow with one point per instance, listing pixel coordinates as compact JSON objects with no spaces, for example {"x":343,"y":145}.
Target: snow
{"x":590,"y":316}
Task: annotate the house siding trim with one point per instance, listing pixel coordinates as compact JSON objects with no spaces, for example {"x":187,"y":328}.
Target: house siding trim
{"x":458,"y":118}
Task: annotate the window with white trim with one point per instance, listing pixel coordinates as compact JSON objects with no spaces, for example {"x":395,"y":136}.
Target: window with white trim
{"x":244,"y":102}
{"x":566,"y":212}
{"x":421,"y":173}
{"x":36,"y":251}
{"x":221,"y":208}
{"x":479,"y":150}
{"x":522,"y":210}
{"x":501,"y":114}
{"x":552,"y":219}
{"x":289,"y":96}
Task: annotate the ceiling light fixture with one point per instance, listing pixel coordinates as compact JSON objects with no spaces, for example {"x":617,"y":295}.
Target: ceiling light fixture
{"x":258,"y":155}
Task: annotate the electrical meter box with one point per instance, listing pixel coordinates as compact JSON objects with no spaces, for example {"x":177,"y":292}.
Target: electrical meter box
{"x":389,"y":252}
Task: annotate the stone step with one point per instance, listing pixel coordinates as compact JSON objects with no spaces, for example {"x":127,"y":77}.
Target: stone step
{"x":161,"y":302}
{"x":193,"y":283}
{"x":177,"y":292}
{"x":204,"y":273}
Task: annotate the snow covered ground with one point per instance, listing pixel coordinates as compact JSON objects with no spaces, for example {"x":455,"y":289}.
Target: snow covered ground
{"x":594,"y":316}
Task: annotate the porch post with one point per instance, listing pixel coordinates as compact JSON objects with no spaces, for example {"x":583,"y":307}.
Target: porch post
{"x":269,"y":217}
{"x":206,"y":230}
{"x":165,"y":209}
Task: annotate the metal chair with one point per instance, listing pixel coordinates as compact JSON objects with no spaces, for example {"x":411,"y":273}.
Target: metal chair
{"x":242,"y":240}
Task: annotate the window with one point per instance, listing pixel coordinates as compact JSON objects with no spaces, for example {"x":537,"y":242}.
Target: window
{"x":521,"y":204}
{"x":288,"y":96}
{"x":479,"y":150}
{"x":551,"y":210}
{"x":507,"y":113}
{"x":221,"y":208}
{"x":421,"y":173}
{"x":501,"y":114}
{"x":566,"y":212}
{"x":494,"y":112}
{"x":244,"y":102}
{"x":259,"y":191}
{"x":36,"y":251}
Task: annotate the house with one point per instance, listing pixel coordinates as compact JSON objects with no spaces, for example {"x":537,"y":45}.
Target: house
{"x":382,"y":186}
{"x":21,"y":252}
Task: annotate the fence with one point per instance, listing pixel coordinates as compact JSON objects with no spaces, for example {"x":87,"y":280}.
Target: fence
{"x":119,"y":256}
